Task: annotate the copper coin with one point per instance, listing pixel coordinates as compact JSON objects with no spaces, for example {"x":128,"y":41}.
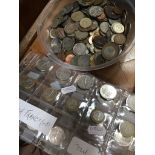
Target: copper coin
{"x":69,"y":58}
{"x":120,"y":39}
{"x":117,"y":10}
{"x":102,"y":17}
{"x":110,"y":51}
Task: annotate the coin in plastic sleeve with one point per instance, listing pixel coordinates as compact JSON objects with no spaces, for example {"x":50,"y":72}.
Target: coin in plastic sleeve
{"x":97,"y":116}
{"x":56,"y":135}
{"x":72,"y":105}
{"x":28,"y":84}
{"x":43,"y":65}
{"x":108,"y":92}
{"x":63,"y":74}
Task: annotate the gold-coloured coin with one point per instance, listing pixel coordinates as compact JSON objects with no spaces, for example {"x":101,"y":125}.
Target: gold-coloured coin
{"x":77,"y":16}
{"x":85,"y":22}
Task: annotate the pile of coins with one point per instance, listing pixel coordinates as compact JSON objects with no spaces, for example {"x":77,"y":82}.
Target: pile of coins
{"x":88,"y":32}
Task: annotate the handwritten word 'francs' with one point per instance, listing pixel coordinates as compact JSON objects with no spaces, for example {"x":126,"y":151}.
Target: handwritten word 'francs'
{"x":29,"y":115}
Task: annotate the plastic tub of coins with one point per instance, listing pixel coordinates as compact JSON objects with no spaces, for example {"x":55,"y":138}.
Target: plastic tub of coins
{"x":87,"y":35}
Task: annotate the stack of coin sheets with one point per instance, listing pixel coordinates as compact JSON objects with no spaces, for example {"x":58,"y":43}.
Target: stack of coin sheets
{"x":65,"y":112}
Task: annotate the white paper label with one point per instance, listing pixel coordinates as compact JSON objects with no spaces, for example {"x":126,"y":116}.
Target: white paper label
{"x":35,"y":117}
{"x":69,"y":89}
{"x":33,"y":75}
{"x":97,"y":130}
{"x":80,"y":147}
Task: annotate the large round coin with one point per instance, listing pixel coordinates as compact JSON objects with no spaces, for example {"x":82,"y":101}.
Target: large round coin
{"x":130,"y":102}
{"x":108,"y":92}
{"x":120,"y":39}
{"x":117,"y":27}
{"x":67,"y":44}
{"x":77,"y":16}
{"x":63,"y":74}
{"x":56,"y":135}
{"x":80,"y":49}
{"x":110,"y":51}
{"x":95,"y":11}
{"x":83,"y":60}
{"x":97,"y":116}
{"x":85,"y":23}
{"x":72,"y":105}
{"x":127,"y":129}
{"x":104,"y":27}
{"x":85,"y":82}
{"x":49,"y":94}
{"x":81,"y":35}
{"x":28,"y":84}
{"x":70,"y":28}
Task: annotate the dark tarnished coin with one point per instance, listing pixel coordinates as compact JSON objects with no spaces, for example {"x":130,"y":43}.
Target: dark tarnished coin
{"x":85,"y":22}
{"x":110,"y":13}
{"x":95,"y":11}
{"x":67,"y":9}
{"x":68,"y":43}
{"x":85,"y":2}
{"x":117,"y":10}
{"x":52,"y":33}
{"x":77,"y":16}
{"x":127,"y":129}
{"x":97,"y":116}
{"x":80,"y":49}
{"x":104,"y":27}
{"x":56,"y":45}
{"x":49,"y":94}
{"x":97,"y":50}
{"x":43,"y":65}
{"x":74,"y":61}
{"x":98,"y":59}
{"x":117,"y":27}
{"x":110,"y":51}
{"x":72,"y":105}
{"x":98,"y":2}
{"x":120,"y":39}
{"x":70,"y":28}
{"x":84,"y":60}
{"x":85,"y":82}
{"x":94,"y":25}
{"x":69,"y":20}
{"x":76,"y":7}
{"x":81,"y":35}
{"x":63,"y":74}
{"x":109,"y":35}
{"x":102,"y":17}
{"x":28,"y":84}
{"x":111,"y":21}
{"x":99,"y":41}
{"x":60,"y":33}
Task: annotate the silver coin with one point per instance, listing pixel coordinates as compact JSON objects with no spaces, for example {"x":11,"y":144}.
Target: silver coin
{"x":108,"y":92}
{"x":63,"y":74}
{"x":85,"y":82}
{"x":127,"y":129}
{"x":130,"y":102}
{"x":56,"y":135}
{"x":80,"y":49}
{"x":56,"y":45}
{"x":104,"y":27}
{"x":97,"y":116}
{"x":68,"y":43}
{"x":95,"y":11}
{"x":72,"y":105}
{"x":81,"y":35}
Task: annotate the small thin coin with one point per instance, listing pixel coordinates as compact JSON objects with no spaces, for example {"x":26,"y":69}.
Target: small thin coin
{"x":77,"y":16}
{"x":110,"y":51}
{"x":80,"y":49}
{"x":56,"y":135}
{"x":95,"y":11}
{"x":63,"y":74}
{"x":68,"y":43}
{"x":85,"y":82}
{"x":56,"y":45}
{"x":97,"y":116}
{"x":85,"y":22}
{"x":117,"y":27}
{"x":72,"y":105}
{"x":120,"y":39}
{"x":104,"y":27}
{"x":49,"y":94}
{"x":130,"y":102}
{"x":127,"y":129}
{"x":108,"y":92}
{"x":79,"y":35}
